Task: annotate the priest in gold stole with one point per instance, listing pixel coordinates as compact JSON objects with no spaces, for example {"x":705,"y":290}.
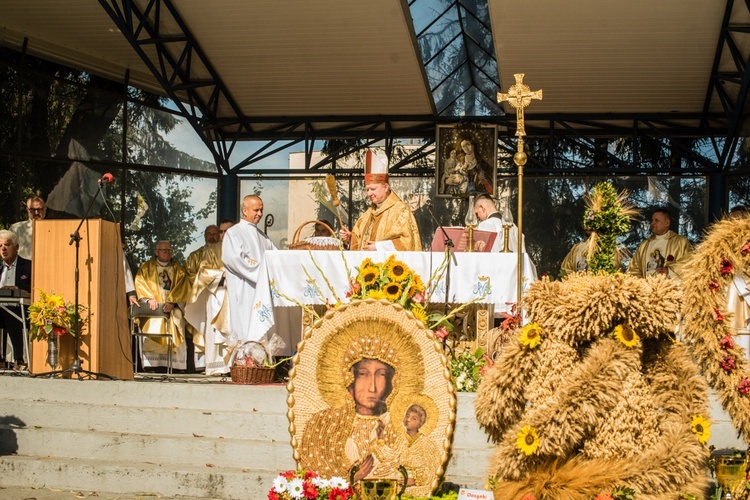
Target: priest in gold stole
{"x":388,"y":224}
{"x":162,"y":280}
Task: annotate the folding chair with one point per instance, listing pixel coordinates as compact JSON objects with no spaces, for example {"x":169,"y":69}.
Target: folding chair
{"x":142,"y":311}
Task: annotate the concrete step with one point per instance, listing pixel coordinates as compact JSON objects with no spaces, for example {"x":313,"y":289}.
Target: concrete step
{"x":194,"y":450}
{"x":173,"y":393}
{"x":206,"y":422}
{"x":148,"y":479}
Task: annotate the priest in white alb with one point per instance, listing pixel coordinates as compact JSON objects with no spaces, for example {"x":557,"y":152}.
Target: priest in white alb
{"x":207,"y":311}
{"x":242,"y":253}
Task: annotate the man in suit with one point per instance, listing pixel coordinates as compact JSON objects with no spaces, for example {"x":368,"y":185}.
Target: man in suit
{"x":16,"y":274}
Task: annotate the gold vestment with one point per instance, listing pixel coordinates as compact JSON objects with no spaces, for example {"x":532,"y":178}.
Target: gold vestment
{"x":147,"y":286}
{"x":393,"y":221}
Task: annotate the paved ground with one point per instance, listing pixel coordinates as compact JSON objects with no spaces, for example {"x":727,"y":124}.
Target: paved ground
{"x":14,"y":493}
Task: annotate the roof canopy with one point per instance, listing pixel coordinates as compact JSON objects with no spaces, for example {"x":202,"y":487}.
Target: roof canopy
{"x":354,"y":69}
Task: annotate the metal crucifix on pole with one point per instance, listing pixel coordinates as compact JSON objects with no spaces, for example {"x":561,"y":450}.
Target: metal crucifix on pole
{"x":519,"y":96}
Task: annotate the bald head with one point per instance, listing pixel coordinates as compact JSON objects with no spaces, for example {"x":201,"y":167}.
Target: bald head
{"x":252,"y":209}
{"x":484,"y":206}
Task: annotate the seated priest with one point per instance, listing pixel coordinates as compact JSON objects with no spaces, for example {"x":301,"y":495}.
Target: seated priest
{"x":207,"y":311}
{"x":491,"y":220}
{"x":388,"y":224}
{"x":163,"y":281}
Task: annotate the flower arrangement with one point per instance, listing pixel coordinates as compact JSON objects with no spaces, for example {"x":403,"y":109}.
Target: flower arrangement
{"x":300,"y":484}
{"x":391,"y":280}
{"x":52,"y":314}
{"x":467,"y":369}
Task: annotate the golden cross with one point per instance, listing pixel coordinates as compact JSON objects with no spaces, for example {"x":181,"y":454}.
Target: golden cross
{"x":519,"y":96}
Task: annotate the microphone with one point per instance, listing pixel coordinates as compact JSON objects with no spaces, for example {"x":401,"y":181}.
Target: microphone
{"x":106,"y":179}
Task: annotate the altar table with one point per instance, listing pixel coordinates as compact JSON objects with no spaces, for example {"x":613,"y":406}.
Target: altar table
{"x":471,"y":274}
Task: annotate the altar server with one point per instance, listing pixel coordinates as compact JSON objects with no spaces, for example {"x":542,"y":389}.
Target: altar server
{"x":242,"y":252}
{"x":388,"y":224}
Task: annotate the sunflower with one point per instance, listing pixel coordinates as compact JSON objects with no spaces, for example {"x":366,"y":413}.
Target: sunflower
{"x":626,"y":335}
{"x":417,"y":286}
{"x":56,"y":300}
{"x":527,"y":440}
{"x":398,"y":271}
{"x":392,"y":291}
{"x":701,"y":428}
{"x":419,"y":313}
{"x":369,"y":275}
{"x":376,"y":294}
{"x":531,"y":335}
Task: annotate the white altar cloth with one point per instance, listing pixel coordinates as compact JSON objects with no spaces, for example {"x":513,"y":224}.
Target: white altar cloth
{"x":470,"y":276}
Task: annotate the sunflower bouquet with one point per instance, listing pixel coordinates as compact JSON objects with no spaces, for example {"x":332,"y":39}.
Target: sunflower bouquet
{"x":391,"y":280}
{"x":52,"y":314}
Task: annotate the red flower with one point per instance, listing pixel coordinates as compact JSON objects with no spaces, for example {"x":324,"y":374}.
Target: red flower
{"x":418,"y":298}
{"x":713,"y":285}
{"x":744,"y":386}
{"x":356,"y":287}
{"x":272,"y":495}
{"x":288,"y":474}
{"x":727,"y":363}
{"x":511,"y":320}
{"x":59,"y":331}
{"x":718,"y":316}
{"x":339,"y":494}
{"x":670,"y":258}
{"x":726,"y":266}
{"x":727,"y":342}
{"x":309,"y":490}
{"x":441,"y":332}
{"x":310,"y":474}
{"x":745,"y":248}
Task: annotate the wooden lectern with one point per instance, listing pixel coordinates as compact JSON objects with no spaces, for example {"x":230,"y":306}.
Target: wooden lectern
{"x":105,"y":346}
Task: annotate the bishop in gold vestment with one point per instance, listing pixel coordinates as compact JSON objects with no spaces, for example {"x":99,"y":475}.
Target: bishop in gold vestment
{"x":388,"y":225}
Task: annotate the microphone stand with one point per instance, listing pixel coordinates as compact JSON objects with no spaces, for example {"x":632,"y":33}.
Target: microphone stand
{"x":449,"y":253}
{"x":76,"y":368}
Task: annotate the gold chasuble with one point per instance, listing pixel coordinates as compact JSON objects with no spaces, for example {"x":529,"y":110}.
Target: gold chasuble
{"x":164,"y":284}
{"x":392,"y":221}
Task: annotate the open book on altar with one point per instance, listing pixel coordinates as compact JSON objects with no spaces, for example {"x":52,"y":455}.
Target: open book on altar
{"x":483,"y":240}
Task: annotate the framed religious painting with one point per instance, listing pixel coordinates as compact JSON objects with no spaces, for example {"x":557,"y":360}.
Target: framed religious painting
{"x":465,"y":161}
{"x":371,"y":399}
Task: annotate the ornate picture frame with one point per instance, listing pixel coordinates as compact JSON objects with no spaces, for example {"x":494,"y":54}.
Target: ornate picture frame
{"x":334,"y":379}
{"x":465,"y":161}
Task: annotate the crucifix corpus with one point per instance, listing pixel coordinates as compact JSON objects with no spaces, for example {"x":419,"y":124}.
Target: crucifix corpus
{"x":519,"y":96}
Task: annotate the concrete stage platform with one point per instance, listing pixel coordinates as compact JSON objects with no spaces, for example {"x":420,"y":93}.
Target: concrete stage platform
{"x":191,"y":436}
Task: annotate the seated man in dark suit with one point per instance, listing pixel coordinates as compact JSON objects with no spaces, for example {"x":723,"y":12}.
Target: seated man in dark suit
{"x":16,"y":274}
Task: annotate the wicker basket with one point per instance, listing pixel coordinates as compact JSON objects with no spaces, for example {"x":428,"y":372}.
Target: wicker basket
{"x":296,"y":244}
{"x":242,"y":374}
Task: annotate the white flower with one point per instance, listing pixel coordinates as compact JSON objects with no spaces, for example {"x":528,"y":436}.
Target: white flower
{"x":320,"y":482}
{"x":339,"y":482}
{"x":280,"y":484}
{"x":296,"y":488}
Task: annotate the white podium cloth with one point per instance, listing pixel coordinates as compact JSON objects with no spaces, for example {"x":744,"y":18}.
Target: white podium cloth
{"x":470,"y":275}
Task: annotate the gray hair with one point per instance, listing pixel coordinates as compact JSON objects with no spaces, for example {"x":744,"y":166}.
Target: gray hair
{"x":9,"y":235}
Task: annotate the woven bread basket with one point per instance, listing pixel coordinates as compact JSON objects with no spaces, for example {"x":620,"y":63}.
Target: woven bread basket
{"x":251,"y":374}
{"x":244,"y":374}
{"x":310,"y":243}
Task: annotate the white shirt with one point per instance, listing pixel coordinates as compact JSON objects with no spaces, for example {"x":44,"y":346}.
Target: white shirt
{"x":8,"y":277}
